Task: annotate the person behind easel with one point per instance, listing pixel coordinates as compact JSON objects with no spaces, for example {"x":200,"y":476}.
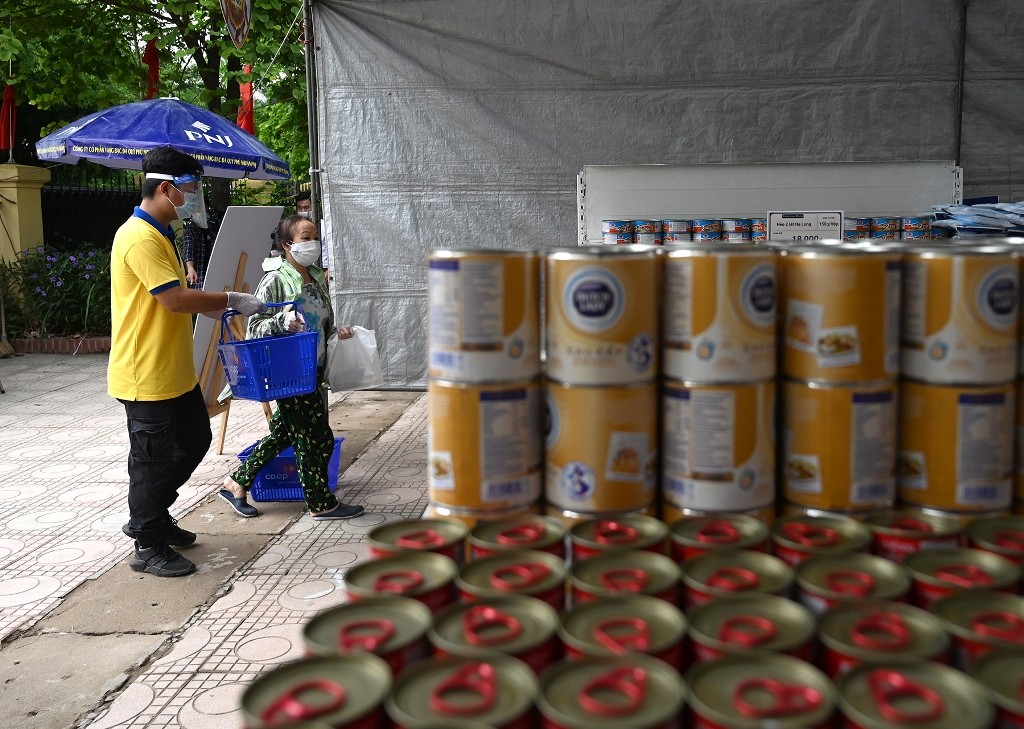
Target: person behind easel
{"x":150,"y":369}
{"x":301,"y":421}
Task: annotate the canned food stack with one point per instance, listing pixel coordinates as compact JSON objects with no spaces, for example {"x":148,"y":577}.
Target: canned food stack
{"x":840,"y":364}
{"x":961,"y":376}
{"x":484,"y":445}
{"x":722,"y":634}
{"x":603,"y":330}
{"x":647,"y":232}
{"x":617,"y":232}
{"x":718,"y":388}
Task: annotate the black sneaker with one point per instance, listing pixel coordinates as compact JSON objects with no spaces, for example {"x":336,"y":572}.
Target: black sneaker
{"x":160,"y":560}
{"x":171,"y":532}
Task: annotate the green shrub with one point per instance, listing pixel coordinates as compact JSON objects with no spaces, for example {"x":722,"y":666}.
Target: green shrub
{"x":60,"y":292}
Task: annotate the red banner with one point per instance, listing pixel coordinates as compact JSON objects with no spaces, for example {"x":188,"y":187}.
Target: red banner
{"x":245,"y":115}
{"x":151,"y":58}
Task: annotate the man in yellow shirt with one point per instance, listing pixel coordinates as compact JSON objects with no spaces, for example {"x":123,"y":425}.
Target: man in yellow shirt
{"x":151,"y":370}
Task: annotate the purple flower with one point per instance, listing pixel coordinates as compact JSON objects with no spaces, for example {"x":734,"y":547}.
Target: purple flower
{"x":73,"y":260}
{"x":87,"y":277}
{"x":89,"y":267}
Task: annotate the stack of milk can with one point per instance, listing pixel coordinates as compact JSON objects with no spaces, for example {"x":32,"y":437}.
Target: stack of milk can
{"x":840,"y":364}
{"x":959,"y":361}
{"x":718,"y":394}
{"x":601,"y":367}
{"x":484,"y":393}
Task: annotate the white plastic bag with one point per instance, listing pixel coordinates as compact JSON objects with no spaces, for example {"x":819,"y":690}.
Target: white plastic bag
{"x":354,"y":364}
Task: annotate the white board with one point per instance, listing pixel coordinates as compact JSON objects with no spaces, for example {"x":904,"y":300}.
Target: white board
{"x":859,"y":189}
{"x":244,"y":229}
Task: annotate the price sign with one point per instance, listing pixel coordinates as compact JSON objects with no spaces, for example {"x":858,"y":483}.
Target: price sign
{"x":805,"y":226}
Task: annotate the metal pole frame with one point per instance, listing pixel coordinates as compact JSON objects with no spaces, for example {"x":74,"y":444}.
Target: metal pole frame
{"x":312,"y":106}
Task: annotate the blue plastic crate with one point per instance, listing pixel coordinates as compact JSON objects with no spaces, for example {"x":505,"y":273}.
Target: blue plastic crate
{"x":279,"y":479}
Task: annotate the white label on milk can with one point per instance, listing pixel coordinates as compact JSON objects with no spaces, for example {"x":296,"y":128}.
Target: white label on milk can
{"x":983,"y":450}
{"x":509,"y":446}
{"x":872,"y":448}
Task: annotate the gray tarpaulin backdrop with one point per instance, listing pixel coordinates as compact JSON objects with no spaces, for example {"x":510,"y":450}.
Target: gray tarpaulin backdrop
{"x":463,"y":123}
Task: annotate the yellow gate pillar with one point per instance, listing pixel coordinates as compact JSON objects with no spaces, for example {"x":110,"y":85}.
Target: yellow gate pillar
{"x":21,"y":210}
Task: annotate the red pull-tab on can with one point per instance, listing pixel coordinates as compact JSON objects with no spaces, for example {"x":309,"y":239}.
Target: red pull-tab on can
{"x":964,"y":575}
{"x":478,"y":680}
{"x":911,"y":524}
{"x":420,"y":539}
{"x":628,"y":685}
{"x":486,"y":625}
{"x":718,"y":531}
{"x":810,"y":535}
{"x":888,"y":686}
{"x":787,"y":698}
{"x":620,"y":635}
{"x":1010,"y":539}
{"x":747,"y":630}
{"x":999,"y":624}
{"x":881,"y":631}
{"x":850,"y":582}
{"x":513,"y":577}
{"x":733,"y":579}
{"x":624,"y":579}
{"x":613,"y":532}
{"x":521,"y":535}
{"x":291,"y":705}
{"x":398,"y":581}
{"x":366,"y":635}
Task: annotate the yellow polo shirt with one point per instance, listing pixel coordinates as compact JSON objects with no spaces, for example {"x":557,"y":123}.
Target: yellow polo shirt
{"x":150,"y":346}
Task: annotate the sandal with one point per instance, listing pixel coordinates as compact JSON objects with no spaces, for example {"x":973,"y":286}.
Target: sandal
{"x":341,"y":511}
{"x":240,"y":505}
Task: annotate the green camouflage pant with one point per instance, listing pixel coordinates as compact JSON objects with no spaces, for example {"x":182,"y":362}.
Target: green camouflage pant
{"x":300,"y":422}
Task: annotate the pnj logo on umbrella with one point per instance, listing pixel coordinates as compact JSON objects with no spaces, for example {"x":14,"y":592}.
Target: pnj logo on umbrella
{"x":204,"y":134}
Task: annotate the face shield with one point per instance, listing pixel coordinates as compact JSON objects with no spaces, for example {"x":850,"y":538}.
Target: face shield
{"x":191,"y":187}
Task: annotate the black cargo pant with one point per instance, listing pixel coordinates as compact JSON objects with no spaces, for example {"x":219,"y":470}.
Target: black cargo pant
{"x":168,"y":440}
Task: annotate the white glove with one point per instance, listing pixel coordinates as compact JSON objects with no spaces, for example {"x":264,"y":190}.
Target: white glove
{"x":245,"y":303}
{"x":293,"y":322}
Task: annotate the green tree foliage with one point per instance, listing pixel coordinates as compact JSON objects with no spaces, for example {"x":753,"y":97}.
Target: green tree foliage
{"x":71,"y":57}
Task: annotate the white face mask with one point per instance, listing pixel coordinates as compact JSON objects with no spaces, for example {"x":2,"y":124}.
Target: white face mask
{"x":192,"y":208}
{"x":308,"y":215}
{"x":305,"y":252}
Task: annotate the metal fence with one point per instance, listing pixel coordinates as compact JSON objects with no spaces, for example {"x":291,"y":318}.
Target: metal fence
{"x":82,"y":207}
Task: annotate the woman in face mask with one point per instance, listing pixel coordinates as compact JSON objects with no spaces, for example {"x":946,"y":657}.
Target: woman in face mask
{"x":300,"y":421}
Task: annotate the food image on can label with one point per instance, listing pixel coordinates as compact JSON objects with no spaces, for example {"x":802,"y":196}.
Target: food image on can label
{"x":841,"y":314}
{"x":484,"y":315}
{"x":719,"y":314}
{"x":967,"y":463}
{"x":484,"y":444}
{"x":718,"y":446}
{"x":839,"y":445}
{"x":960,"y":315}
{"x":602,"y":322}
{"x":601,"y":447}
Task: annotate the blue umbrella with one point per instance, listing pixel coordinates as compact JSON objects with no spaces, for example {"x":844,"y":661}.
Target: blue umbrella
{"x":121,"y":135}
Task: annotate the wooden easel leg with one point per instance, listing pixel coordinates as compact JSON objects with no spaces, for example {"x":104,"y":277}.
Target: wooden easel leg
{"x":267,"y":411}
{"x":223,"y":428}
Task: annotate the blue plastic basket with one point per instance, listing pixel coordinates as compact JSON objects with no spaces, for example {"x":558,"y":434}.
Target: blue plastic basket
{"x":268,"y":368}
{"x":279,"y":479}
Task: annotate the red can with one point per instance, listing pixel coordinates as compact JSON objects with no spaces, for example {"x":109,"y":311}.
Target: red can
{"x":921,"y":693}
{"x":625,"y":572}
{"x":629,"y":531}
{"x":888,"y":633}
{"x":518,"y":626}
{"x":798,"y":536}
{"x":614,"y":626}
{"x":524,"y":572}
{"x":498,"y":691}
{"x":634,"y":691}
{"x":392,"y":627}
{"x":759,"y":691}
{"x":1002,"y":673}
{"x":442,"y":536}
{"x":745,"y":623}
{"x":979,"y":622}
{"x":938,"y":574}
{"x":692,"y":537}
{"x":1002,"y":535}
{"x":423,"y":576}
{"x":898,"y":534}
{"x":727,"y":573}
{"x":827,"y":580}
{"x":529,"y":531}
